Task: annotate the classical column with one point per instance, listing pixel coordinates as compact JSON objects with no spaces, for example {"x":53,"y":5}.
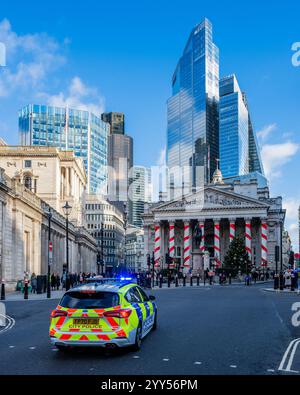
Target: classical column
{"x":264,"y":242}
{"x":187,"y":245}
{"x":202,"y":244}
{"x":231,"y":229}
{"x":248,"y":237}
{"x":217,"y":249}
{"x":157,"y":245}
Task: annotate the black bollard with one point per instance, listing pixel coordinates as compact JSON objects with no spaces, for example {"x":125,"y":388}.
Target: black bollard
{"x":160,"y":281}
{"x":184,"y":280}
{"x":26,"y":290}
{"x":169,"y":281}
{"x":198,"y":280}
{"x":229,"y":278}
{"x":176,"y":281}
{"x":2,"y":291}
{"x":281,"y":282}
{"x":191,"y":281}
{"x":276,"y":281}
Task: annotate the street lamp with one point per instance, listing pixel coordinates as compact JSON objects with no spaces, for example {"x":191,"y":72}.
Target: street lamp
{"x":49,"y":215}
{"x":67,"y":211}
{"x":102,"y":255}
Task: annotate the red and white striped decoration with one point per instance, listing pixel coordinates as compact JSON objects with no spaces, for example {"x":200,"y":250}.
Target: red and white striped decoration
{"x":157,"y":242}
{"x":171,"y":242}
{"x":217,"y":249}
{"x":186,"y":245}
{"x":202,"y":245}
{"x":264,"y":243}
{"x":231,"y":230}
{"x":248,"y":237}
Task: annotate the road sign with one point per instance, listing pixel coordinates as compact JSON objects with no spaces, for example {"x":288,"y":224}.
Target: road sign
{"x":50,"y":252}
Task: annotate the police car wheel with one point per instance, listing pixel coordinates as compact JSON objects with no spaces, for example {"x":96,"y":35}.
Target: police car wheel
{"x":138,"y":338}
{"x":155,"y":323}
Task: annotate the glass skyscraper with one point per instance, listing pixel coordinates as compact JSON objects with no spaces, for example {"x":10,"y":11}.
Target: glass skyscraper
{"x":192,"y":131}
{"x":66,"y":128}
{"x":233,"y":129}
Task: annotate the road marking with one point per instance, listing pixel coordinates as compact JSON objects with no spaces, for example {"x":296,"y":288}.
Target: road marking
{"x":197,"y":363}
{"x":166,"y":359}
{"x":233,"y":366}
{"x":11,"y":346}
{"x":136,"y":357}
{"x":290,"y":352}
{"x":271,"y":370}
{"x":10,"y":323}
{"x":32,"y":348}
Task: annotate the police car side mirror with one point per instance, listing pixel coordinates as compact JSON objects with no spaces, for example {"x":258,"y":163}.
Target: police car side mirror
{"x":151,"y":297}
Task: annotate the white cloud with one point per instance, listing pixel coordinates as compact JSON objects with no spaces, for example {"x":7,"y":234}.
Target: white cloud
{"x":292,"y":206}
{"x":263,"y":134}
{"x":78,"y":96}
{"x":29,"y":60}
{"x":274,"y":156}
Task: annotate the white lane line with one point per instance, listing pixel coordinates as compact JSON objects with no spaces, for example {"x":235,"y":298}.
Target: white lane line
{"x":32,"y":348}
{"x":11,"y":346}
{"x":166,"y":359}
{"x":197,"y":363}
{"x":136,"y":357}
{"x":11,"y":323}
{"x":233,"y":366}
{"x":290,"y":351}
{"x":271,"y":370}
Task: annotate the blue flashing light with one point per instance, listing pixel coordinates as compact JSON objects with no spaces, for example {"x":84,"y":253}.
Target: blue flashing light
{"x":126,"y":278}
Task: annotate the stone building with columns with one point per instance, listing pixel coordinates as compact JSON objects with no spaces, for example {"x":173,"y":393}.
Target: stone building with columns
{"x":196,"y":229}
{"x":53,"y":175}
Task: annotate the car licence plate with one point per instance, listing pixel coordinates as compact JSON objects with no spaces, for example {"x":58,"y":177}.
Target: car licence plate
{"x":86,"y":322}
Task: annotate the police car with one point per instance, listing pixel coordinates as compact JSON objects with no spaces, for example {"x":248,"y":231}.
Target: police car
{"x":105,"y":312}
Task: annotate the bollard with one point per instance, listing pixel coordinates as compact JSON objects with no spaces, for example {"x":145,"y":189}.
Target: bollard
{"x":198,"y":280}
{"x":184,"y":280}
{"x":169,"y":281}
{"x":176,"y":281}
{"x":276,"y":281}
{"x":281,"y":282}
{"x":160,"y":281}
{"x":26,"y":290}
{"x":2,"y":291}
{"x":229,"y":278}
{"x":191,"y":281}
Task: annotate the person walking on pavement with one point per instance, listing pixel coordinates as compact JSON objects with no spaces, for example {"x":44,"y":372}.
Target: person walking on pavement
{"x":53,"y":281}
{"x":33,"y":282}
{"x":57,"y":281}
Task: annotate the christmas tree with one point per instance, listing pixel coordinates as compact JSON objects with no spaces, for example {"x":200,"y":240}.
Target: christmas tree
{"x":237,"y":258}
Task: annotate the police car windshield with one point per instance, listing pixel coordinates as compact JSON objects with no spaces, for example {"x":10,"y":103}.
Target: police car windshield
{"x":97,"y":300}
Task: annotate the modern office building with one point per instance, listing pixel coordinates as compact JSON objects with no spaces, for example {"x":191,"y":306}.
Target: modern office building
{"x":233,"y":129}
{"x":106,"y":224}
{"x":193,"y":127}
{"x":116,"y":121}
{"x":83,"y":132}
{"x":140,"y":189}
{"x":255,"y":162}
{"x":120,"y":161}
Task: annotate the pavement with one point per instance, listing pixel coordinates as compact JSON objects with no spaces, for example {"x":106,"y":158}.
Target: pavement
{"x":201,"y":330}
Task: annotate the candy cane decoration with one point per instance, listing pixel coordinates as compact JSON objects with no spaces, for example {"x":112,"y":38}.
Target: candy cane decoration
{"x":202,"y":245}
{"x":248,"y":237}
{"x":217,"y":249}
{"x":264,"y":243}
{"x":157,"y":241}
{"x":187,"y":247}
{"x":171,"y":242}
{"x":231,"y":230}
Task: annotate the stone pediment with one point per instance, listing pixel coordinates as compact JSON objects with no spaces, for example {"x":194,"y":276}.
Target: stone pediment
{"x":211,"y":198}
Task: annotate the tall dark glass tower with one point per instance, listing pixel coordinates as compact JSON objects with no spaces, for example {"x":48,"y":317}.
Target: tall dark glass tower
{"x":193,"y":127}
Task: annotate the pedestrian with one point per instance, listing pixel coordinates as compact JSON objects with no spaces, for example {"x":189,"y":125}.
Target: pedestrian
{"x":33,"y":282}
{"x":287,"y":279}
{"x":57,"y":281}
{"x":53,"y":281}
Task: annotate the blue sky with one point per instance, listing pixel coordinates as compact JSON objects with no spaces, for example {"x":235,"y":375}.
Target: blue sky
{"x":120,"y":56}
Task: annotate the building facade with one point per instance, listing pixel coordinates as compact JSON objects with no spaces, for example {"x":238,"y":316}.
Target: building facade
{"x":193,"y":128}
{"x":219,"y":212}
{"x":24,"y":232}
{"x":116,"y":120}
{"x":106,"y":224}
{"x":139,"y":193}
{"x":69,"y":129}
{"x":233,"y":129}
{"x":135,"y":261}
{"x":286,"y":249}
{"x":54,"y":176}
